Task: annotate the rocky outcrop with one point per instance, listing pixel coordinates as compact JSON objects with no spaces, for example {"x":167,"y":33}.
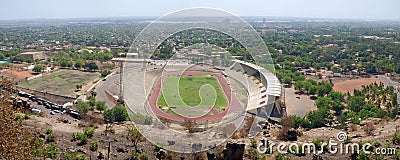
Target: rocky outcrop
{"x":234,"y":150}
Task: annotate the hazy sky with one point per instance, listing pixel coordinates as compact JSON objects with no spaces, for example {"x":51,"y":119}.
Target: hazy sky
{"x":360,"y":9}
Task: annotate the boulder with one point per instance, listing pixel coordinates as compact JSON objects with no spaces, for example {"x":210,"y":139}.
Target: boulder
{"x":234,"y":150}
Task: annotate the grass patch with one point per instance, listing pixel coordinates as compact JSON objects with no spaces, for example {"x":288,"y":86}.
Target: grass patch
{"x":62,"y":82}
{"x":189,"y":87}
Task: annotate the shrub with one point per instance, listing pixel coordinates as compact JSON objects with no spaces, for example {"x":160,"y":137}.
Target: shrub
{"x":396,"y":139}
{"x":148,"y":120}
{"x":27,"y":116}
{"x":83,"y":140}
{"x":144,"y":156}
{"x":17,"y":117}
{"x":134,"y":155}
{"x":81,"y":137}
{"x":118,"y":114}
{"x":376,"y":144}
{"x":52,"y":151}
{"x":369,"y":128}
{"x":317,"y":142}
{"x":94,"y":146}
{"x":75,"y":156}
{"x":49,"y":131}
{"x":89,"y":132}
{"x":50,"y":137}
{"x":158,"y":146}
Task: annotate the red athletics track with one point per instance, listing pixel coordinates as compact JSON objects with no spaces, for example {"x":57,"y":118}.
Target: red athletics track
{"x":233,"y":101}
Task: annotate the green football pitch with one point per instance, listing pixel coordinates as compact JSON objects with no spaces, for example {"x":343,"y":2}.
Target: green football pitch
{"x":192,"y":91}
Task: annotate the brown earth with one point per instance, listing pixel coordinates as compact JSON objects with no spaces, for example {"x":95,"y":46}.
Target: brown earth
{"x":350,"y":85}
{"x":16,"y":74}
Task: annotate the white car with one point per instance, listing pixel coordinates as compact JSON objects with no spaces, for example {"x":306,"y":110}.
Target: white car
{"x":52,"y":113}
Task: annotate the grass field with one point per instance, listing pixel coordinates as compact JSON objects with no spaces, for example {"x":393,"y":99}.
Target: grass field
{"x":62,"y":82}
{"x":195,"y":91}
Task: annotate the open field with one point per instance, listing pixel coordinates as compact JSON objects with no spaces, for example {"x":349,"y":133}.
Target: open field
{"x":350,"y":85}
{"x":191,"y":91}
{"x":16,"y":74}
{"x":62,"y":82}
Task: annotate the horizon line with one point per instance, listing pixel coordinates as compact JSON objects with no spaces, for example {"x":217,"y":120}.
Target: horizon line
{"x":154,"y":16}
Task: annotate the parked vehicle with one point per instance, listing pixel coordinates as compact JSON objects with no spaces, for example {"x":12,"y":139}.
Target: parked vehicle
{"x":36,"y":111}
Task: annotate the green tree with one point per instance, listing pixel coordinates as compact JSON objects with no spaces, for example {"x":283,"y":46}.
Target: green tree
{"x":37,"y":68}
{"x":91,"y":66}
{"x":316,"y":118}
{"x":83,"y":107}
{"x":394,"y":99}
{"x":337,"y":107}
{"x":134,"y":136}
{"x":79,"y":63}
{"x":65,"y":62}
{"x":120,"y":113}
{"x":356,"y":103}
{"x":117,"y":114}
{"x":334,"y":95}
{"x":323,"y":102}
{"x":101,"y":105}
{"x":287,"y":80}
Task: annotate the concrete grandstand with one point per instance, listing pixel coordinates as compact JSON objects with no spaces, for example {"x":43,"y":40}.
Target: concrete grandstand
{"x":264,"y":88}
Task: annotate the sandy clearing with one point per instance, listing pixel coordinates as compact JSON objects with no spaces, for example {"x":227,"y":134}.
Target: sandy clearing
{"x":350,"y":85}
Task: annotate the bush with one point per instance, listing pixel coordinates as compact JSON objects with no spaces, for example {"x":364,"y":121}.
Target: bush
{"x":89,"y":132}
{"x":118,"y":114}
{"x":50,"y":137}
{"x":317,"y":142}
{"x":148,"y":120}
{"x":158,"y":146}
{"x":17,"y":117}
{"x":105,"y":73}
{"x":49,"y":131}
{"x":27,"y":116}
{"x":94,"y":146}
{"x":396,"y":139}
{"x":144,"y":156}
{"x":75,"y":156}
{"x":136,"y":155}
{"x":81,"y":137}
{"x":52,"y":151}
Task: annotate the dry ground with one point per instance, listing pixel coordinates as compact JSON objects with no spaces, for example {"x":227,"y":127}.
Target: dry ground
{"x":349,"y":85}
{"x":17,"y":75}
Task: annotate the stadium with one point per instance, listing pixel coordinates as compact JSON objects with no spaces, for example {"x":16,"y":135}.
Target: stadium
{"x":261,"y":88}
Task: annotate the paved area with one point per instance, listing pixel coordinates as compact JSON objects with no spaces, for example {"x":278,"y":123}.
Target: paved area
{"x":298,"y":106}
{"x":55,"y":116}
{"x":108,"y":88}
{"x":388,"y":82}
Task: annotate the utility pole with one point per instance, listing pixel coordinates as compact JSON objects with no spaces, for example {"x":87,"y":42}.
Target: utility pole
{"x":283,"y":85}
{"x":108,"y":143}
{"x":121,"y":91}
{"x":283,"y":91}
